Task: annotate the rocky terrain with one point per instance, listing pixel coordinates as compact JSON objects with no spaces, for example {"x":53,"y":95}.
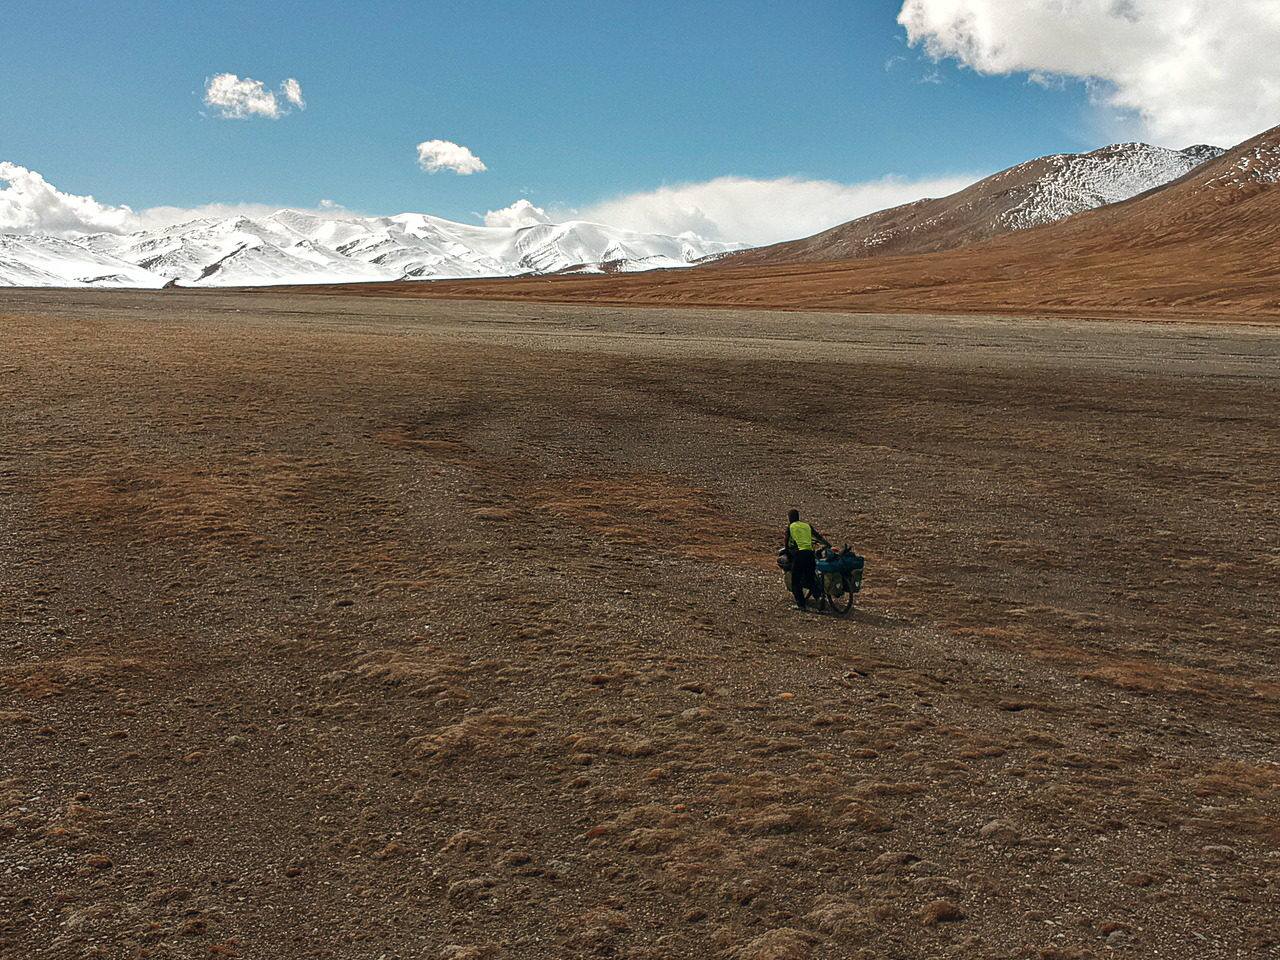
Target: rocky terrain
{"x":419,"y":630}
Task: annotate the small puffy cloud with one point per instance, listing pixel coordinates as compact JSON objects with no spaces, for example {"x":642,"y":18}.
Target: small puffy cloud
{"x":522,"y":213}
{"x":292,"y":91}
{"x":1190,"y":70}
{"x":763,"y":211}
{"x":238,"y":98}
{"x":31,"y":204}
{"x":437,"y":155}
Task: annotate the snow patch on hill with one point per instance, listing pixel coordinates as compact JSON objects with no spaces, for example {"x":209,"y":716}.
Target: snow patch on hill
{"x":1261,"y":164}
{"x":1079,"y":182}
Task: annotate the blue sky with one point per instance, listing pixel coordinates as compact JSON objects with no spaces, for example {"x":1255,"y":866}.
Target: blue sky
{"x":568,"y":104}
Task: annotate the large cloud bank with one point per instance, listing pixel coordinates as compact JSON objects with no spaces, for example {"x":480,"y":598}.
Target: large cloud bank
{"x":31,"y":204}
{"x":437,"y":155}
{"x":762,"y":211}
{"x":239,"y":98}
{"x":1191,"y":70}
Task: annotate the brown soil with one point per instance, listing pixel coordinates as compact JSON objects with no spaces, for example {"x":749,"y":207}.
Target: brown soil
{"x":350,"y":628}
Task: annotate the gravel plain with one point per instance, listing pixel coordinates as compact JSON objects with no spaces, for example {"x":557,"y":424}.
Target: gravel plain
{"x":370,"y":628}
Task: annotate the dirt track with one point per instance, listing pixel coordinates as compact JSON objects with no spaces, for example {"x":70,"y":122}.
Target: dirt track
{"x":357,"y":628}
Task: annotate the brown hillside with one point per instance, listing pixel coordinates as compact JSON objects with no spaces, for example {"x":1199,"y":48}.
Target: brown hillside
{"x":1201,"y":247}
{"x":1034,"y":193}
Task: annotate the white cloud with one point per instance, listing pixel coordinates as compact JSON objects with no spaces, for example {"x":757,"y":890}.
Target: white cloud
{"x":238,"y":98}
{"x":522,"y":213}
{"x":31,"y":204}
{"x":1190,"y":70}
{"x":763,"y":211}
{"x":437,"y":155}
{"x":292,"y":91}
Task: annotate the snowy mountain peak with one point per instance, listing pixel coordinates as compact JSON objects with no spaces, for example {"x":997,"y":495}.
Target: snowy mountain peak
{"x":1201,"y":152}
{"x":1075,"y":182}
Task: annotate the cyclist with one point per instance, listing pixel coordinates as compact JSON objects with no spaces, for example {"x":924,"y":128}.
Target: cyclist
{"x":799,"y":542}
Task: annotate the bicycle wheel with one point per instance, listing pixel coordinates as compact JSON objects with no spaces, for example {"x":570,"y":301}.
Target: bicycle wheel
{"x":842,"y":602}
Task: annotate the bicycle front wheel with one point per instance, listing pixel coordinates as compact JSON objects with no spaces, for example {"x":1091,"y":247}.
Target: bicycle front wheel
{"x":841,"y":599}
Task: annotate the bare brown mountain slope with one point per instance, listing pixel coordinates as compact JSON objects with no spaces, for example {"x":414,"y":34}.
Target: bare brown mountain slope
{"x":1032,"y":194}
{"x":1202,"y":247}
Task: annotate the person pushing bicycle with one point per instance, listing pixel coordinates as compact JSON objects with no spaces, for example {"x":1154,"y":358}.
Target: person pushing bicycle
{"x":798,"y":542}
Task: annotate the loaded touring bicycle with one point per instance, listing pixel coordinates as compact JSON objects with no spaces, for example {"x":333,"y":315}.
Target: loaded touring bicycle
{"x":838,"y":578}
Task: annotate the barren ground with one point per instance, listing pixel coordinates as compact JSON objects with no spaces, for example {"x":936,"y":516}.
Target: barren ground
{"x":358,"y":628}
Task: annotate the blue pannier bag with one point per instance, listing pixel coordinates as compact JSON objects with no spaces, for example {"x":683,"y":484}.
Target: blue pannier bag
{"x":841,"y":563}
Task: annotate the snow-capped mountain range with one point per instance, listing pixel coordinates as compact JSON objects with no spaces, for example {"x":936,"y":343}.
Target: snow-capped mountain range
{"x":293,"y":247}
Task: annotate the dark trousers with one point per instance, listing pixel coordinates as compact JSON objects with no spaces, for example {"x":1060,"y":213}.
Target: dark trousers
{"x":802,"y":569}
